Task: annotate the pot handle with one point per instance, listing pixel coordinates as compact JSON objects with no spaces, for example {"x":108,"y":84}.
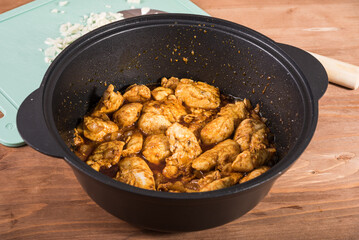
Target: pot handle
{"x":311,"y":67}
{"x":32,"y":126}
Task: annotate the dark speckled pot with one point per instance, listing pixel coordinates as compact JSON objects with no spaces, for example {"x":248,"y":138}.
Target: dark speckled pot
{"x":287,"y":83}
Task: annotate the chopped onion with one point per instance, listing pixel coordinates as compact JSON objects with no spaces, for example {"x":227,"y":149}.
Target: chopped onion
{"x":70,"y":32}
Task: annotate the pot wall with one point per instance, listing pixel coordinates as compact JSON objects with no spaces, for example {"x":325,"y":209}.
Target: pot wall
{"x":172,"y":215}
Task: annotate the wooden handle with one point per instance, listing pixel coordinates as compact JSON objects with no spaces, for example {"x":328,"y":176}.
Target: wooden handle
{"x":341,"y":73}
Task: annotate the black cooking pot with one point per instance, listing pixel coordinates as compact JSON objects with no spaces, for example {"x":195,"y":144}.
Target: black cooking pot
{"x":286,"y":81}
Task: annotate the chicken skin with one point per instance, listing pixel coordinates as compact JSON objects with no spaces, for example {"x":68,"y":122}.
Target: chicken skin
{"x":128,"y":114}
{"x":137,"y":93}
{"x":221,"y":154}
{"x":105,"y":155}
{"x":198,"y":94}
{"x":156,"y":148}
{"x":136,"y":172}
{"x":109,"y":102}
{"x":96,"y":129}
{"x":184,"y":147}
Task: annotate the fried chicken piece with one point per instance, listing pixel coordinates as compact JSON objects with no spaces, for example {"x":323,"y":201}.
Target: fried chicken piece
{"x":183,"y":143}
{"x":174,"y":168}
{"x":171,"y":108}
{"x":159,"y":178}
{"x":238,"y":111}
{"x":96,"y":129}
{"x":248,"y":160}
{"x":133,"y":145}
{"x":157,"y":116}
{"x":109,"y":102}
{"x":223,"y":126}
{"x":226,"y":168}
{"x":128,"y":114}
{"x":209,"y":178}
{"x":156,"y":148}
{"x":221,"y":154}
{"x":185,"y":148}
{"x":198,"y":94}
{"x":105,"y":155}
{"x":161,"y":93}
{"x":197,"y":119}
{"x":151,"y":123}
{"x":137,"y":93}
{"x":78,"y":139}
{"x":177,"y":187}
{"x":83,"y":151}
{"x":255,"y":173}
{"x":170,"y":83}
{"x":81,"y":148}
{"x":136,"y":172}
{"x":184,"y":185}
{"x":251,"y":134}
{"x":113,"y":136}
{"x":102,"y":116}
{"x":217,"y":130}
{"x":232,"y":179}
{"x":202,"y":114}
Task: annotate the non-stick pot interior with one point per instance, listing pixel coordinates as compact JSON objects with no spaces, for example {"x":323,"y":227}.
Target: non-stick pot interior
{"x":233,"y":59}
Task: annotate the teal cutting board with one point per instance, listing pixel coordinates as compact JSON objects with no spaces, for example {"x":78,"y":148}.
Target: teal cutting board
{"x":23,"y":32}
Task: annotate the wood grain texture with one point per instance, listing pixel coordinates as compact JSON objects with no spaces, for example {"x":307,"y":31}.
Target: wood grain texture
{"x":317,"y":198}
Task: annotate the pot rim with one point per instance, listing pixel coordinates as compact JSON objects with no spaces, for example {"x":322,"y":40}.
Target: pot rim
{"x":310,"y":104}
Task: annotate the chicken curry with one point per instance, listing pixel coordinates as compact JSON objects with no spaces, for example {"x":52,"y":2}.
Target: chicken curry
{"x":182,"y":136}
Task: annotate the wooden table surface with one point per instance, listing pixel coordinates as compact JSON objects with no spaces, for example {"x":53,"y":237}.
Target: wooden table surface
{"x":318,"y":198}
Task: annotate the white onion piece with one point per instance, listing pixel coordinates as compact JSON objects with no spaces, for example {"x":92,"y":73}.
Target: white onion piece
{"x":145,"y":10}
{"x":134,"y":1}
